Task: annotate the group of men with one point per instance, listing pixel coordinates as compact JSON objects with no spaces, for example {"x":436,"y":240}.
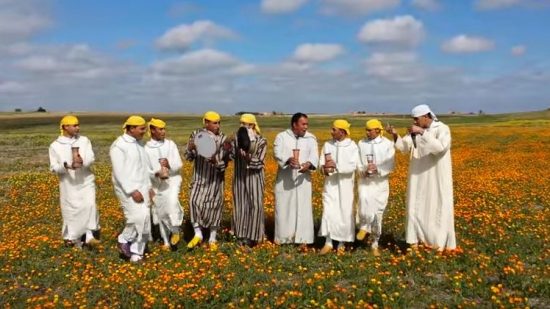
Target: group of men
{"x":147,"y":180}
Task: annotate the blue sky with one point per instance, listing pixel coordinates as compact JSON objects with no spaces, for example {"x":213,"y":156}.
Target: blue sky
{"x":328,"y":56}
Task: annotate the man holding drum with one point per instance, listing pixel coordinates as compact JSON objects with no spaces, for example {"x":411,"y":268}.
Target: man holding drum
{"x":376,"y":162}
{"x":208,"y":150}
{"x":165,"y":163}
{"x":71,"y":156}
{"x":248,"y":152}
{"x":132,"y":187}
{"x":297,"y":155}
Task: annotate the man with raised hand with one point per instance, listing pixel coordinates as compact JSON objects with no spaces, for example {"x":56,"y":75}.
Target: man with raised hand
{"x":338,"y":161}
{"x":430,"y":203}
{"x":165,"y":163}
{"x":207,"y":196}
{"x":132,"y":187}
{"x":296,"y":153}
{"x":376,"y":162}
{"x":71,"y":156}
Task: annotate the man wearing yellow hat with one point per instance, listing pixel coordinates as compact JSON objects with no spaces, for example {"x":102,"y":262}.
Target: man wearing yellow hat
{"x":71,"y":156}
{"x":338,"y":161}
{"x":206,"y":197}
{"x":376,"y":162}
{"x":165,"y":163}
{"x":296,"y":153}
{"x":248,"y":184}
{"x":430,"y":203}
{"x":132,"y":187}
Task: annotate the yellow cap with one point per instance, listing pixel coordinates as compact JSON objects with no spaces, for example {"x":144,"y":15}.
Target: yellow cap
{"x":342,"y":124}
{"x":374,"y":124}
{"x":249,"y":118}
{"x":134,"y":121}
{"x":68,"y":120}
{"x":211,"y":116}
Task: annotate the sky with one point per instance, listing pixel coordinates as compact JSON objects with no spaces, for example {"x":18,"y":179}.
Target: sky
{"x":313,"y":56}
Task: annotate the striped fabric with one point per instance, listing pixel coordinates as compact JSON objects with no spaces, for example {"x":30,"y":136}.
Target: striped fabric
{"x":206,"y":198}
{"x":248,"y":192}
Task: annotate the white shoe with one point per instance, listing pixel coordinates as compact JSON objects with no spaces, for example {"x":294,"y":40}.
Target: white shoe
{"x":136,"y":258}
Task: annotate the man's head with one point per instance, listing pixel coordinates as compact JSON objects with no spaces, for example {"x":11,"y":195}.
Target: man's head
{"x":135,"y":127}
{"x":249,"y":121}
{"x":299,"y":124}
{"x":340,"y":129}
{"x":423,"y":116}
{"x":157,"y":129}
{"x":69,"y":126}
{"x":212,"y":121}
{"x":374,"y":128}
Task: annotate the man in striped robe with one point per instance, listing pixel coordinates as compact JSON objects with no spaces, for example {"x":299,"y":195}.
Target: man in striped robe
{"x":165,"y":163}
{"x":206,"y":198}
{"x":248,"y":185}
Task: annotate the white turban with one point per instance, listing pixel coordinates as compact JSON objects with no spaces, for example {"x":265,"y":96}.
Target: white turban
{"x":421,"y":110}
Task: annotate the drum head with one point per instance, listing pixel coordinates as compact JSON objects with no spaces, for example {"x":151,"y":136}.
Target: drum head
{"x":206,"y":146}
{"x":243,"y":139}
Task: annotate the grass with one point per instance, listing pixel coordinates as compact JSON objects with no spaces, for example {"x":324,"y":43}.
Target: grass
{"x":502,"y":198}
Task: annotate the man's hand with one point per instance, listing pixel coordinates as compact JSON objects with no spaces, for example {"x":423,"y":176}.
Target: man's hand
{"x":305,"y":167}
{"x":414,"y":129}
{"x":164,"y":163}
{"x":372,"y":169}
{"x":246,"y":156}
{"x":390,"y":129}
{"x":191,"y":145}
{"x":294,"y":163}
{"x":137,"y":197}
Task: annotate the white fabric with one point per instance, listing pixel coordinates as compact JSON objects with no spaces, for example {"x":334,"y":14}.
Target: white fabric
{"x":293,"y":209}
{"x":338,"y":192}
{"x":131,"y":173}
{"x":166,"y":206}
{"x":430,"y":217}
{"x":374,"y":190}
{"x":76,"y":186}
{"x":421,"y":110}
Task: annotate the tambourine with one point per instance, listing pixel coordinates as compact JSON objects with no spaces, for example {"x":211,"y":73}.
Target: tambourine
{"x":205,"y":144}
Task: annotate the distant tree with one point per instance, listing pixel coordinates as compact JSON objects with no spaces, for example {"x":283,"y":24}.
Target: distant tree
{"x":41,"y":110}
{"x":480,"y":112}
{"x":17,"y":110}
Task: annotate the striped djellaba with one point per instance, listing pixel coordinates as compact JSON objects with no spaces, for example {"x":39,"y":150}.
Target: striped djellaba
{"x":248,"y":192}
{"x":206,"y":198}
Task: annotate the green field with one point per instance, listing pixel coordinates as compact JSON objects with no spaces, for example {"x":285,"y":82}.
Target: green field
{"x":502,"y":199}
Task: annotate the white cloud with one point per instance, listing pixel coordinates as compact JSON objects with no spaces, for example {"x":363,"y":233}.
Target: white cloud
{"x":20,"y":20}
{"x":518,"y":50}
{"x":196,"y":62}
{"x":401,"y":31}
{"x":281,"y":6}
{"x":11,"y":87}
{"x":317,"y":52}
{"x":428,"y":5}
{"x":467,"y":44}
{"x":356,"y":7}
{"x":183,"y":36}
{"x":397,"y":66}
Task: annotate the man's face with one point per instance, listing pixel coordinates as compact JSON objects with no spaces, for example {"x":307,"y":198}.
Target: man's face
{"x":71,"y":130}
{"x":422,"y":121}
{"x":373,"y":133}
{"x":338,"y":134}
{"x":300,"y":127}
{"x":158,"y":134}
{"x":212,"y":126}
{"x":136,"y":132}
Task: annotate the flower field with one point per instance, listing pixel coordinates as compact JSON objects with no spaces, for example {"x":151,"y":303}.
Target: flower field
{"x":502,"y":219}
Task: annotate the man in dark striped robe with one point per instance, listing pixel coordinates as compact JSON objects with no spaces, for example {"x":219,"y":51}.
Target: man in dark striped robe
{"x":248,"y":185}
{"x":206,"y":198}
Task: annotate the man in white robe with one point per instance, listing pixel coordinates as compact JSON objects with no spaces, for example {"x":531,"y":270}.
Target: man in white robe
{"x":296,"y":153}
{"x":376,"y":163}
{"x":71,"y":156}
{"x":430,"y":214}
{"x":132,"y":187}
{"x":338,"y":161}
{"x":165,"y":163}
